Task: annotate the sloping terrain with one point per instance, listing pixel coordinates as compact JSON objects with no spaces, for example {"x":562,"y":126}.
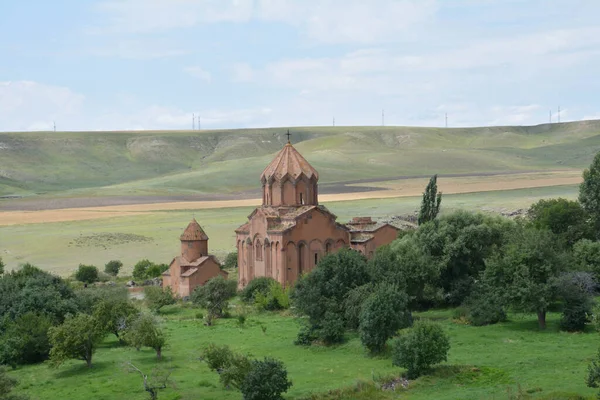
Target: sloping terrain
{"x":230,"y":161}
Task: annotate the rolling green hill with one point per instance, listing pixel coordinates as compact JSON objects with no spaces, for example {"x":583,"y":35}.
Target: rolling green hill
{"x":230,"y":161}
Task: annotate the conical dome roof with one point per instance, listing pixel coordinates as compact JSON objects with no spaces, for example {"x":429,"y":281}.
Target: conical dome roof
{"x":289,"y":162}
{"x":193,"y":232}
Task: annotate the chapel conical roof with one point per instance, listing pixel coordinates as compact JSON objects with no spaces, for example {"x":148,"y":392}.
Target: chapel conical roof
{"x":289,"y":162}
{"x":193,"y":232}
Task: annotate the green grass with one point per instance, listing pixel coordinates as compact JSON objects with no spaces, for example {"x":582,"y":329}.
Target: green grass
{"x":226,"y":161}
{"x":60,"y":247}
{"x":483,"y":363}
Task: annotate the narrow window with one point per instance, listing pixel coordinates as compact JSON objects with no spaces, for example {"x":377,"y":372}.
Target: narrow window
{"x":301,"y":199}
{"x":316,"y":258}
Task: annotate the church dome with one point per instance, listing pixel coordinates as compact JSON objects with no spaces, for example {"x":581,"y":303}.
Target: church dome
{"x":289,"y":162}
{"x":193,"y":232}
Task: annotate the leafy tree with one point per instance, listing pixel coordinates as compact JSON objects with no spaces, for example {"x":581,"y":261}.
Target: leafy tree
{"x":383,"y":313}
{"x":140,"y":269}
{"x":589,"y":192}
{"x":113,"y":267}
{"x":231,"y":260}
{"x":457,"y":246}
{"x":157,"y":297}
{"x":577,"y":290}
{"x":145,"y":331}
{"x":586,"y":254}
{"x":7,"y":384}
{"x":217,"y":357}
{"x":353,"y":304}
{"x":565,"y":218}
{"x":255,"y":286}
{"x":156,"y":270}
{"x":1,"y":266}
{"x":231,"y":367}
{"x":115,"y":315}
{"x":153,"y":383}
{"x":424,"y":345}
{"x":87,"y":298}
{"x":593,"y":378}
{"x":77,"y":338}
{"x":267,"y":380}
{"x":430,"y":205}
{"x":214,"y":295}
{"x":523,"y":272}
{"x":86,"y":273}
{"x":30,"y":289}
{"x":25,"y":340}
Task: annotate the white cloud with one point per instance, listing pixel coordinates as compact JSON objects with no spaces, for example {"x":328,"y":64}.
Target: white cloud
{"x":138,"y":49}
{"x":242,"y":72}
{"x":27,"y":105}
{"x":327,"y":21}
{"x":591,"y":117}
{"x":199,"y":73}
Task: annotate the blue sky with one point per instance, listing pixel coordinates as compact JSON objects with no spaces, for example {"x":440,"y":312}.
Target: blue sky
{"x":152,"y":64}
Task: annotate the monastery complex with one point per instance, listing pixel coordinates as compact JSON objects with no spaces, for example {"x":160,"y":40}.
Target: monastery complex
{"x":285,"y":237}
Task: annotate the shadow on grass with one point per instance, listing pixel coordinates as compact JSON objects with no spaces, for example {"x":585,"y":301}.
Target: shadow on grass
{"x":82,"y":369}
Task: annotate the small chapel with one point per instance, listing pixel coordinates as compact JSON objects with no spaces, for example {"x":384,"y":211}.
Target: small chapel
{"x":194,"y":266}
{"x":288,"y":234}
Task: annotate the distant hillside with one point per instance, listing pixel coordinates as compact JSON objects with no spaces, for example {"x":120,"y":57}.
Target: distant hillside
{"x":228,"y":161}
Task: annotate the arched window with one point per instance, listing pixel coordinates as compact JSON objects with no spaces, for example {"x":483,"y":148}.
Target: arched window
{"x":258,"y":251}
{"x":316,"y":258}
{"x":327,"y":248}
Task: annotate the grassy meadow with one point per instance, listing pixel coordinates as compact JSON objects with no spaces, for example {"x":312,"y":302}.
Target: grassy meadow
{"x":60,"y":247}
{"x":484,"y":363}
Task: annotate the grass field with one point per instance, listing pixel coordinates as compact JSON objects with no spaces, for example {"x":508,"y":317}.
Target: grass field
{"x":164,"y":163}
{"x":483,"y":363}
{"x":60,"y":247}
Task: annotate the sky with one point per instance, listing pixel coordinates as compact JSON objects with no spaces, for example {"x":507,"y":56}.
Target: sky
{"x":153,"y":64}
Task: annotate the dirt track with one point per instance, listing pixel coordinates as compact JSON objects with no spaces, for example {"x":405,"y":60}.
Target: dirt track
{"x":398,"y":188}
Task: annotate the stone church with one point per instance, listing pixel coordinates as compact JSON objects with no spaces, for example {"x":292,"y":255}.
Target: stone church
{"x":194,"y":266}
{"x":290,"y":232}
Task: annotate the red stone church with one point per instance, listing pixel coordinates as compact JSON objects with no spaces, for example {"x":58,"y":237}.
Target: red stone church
{"x":290,"y":232}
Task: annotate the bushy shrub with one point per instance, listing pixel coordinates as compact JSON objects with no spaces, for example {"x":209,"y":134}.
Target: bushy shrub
{"x":140,"y":269}
{"x":587,"y":257}
{"x":156,"y":270}
{"x":277,"y":298}
{"x":422,"y":346}
{"x":157,"y":297}
{"x":383,"y":313}
{"x":576,"y":290}
{"x":331,"y":329}
{"x":214,"y":295}
{"x":217,"y":357}
{"x":86,"y":273}
{"x":231,"y":260}
{"x":113,"y":267}
{"x":255,"y":286}
{"x":25,"y":340}
{"x":306,"y":336}
{"x":232,"y":367}
{"x":485,"y":306}
{"x":266,"y":380}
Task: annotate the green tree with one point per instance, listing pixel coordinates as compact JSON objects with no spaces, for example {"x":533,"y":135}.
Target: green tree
{"x":1,"y":266}
{"x":523,"y":272}
{"x":157,"y":297}
{"x":485,"y":305}
{"x":576,"y":289}
{"x":156,"y":270}
{"x":593,"y":378}
{"x":140,"y":269}
{"x":421,"y":347}
{"x":255,"y":286}
{"x":25,"y":340}
{"x":432,"y":200}
{"x":114,"y":315}
{"x":158,"y":380}
{"x":231,"y":367}
{"x":231,"y":260}
{"x":565,"y":218}
{"x":586,"y":254}
{"x":86,"y":273}
{"x":77,"y":338}
{"x":7,"y":384}
{"x":354,"y":302}
{"x":267,"y":380}
{"x":214,"y":295}
{"x":113,"y":267}
{"x":145,"y":331}
{"x":589,"y":193}
{"x":383,"y":313}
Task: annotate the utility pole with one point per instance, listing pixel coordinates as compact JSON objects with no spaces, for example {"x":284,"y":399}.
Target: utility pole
{"x":446,"y":120}
{"x":193,"y":121}
{"x":333,"y":121}
{"x":54,"y":122}
{"x":199,"y":126}
{"x":558,"y":114}
{"x":550,"y":116}
{"x":382,"y":118}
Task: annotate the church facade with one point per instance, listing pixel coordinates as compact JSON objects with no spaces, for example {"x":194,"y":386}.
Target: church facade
{"x":290,"y":232}
{"x":194,"y":266}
